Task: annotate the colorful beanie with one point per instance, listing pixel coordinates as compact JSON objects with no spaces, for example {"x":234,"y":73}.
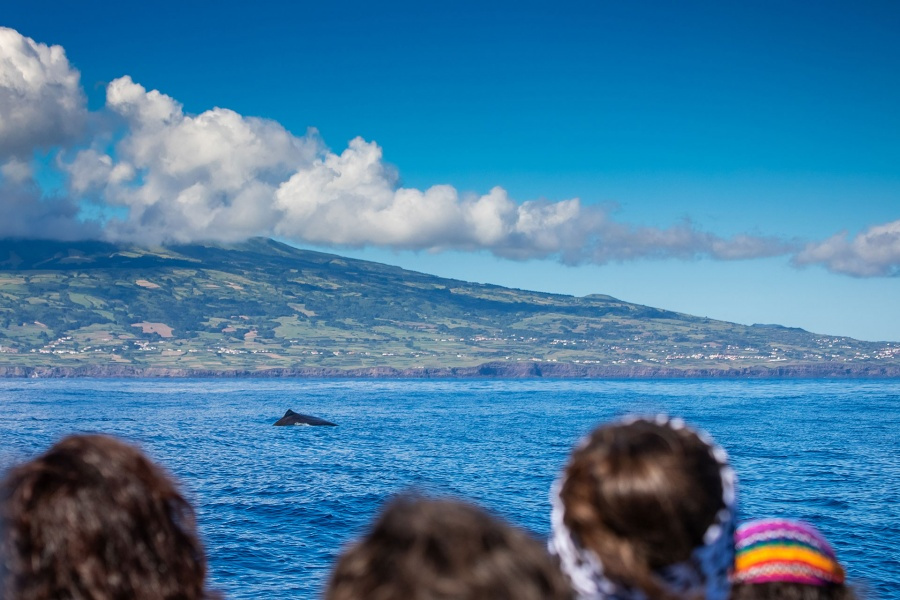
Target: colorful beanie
{"x":772,"y":550}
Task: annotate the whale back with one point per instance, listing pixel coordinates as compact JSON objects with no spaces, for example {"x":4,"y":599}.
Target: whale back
{"x":293,"y":418}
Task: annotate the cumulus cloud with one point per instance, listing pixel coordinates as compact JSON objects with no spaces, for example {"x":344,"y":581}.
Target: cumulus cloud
{"x":353,"y":199}
{"x":170,"y":176}
{"x":183,"y":177}
{"x":874,"y":252}
{"x":28,"y":214}
{"x":42,"y":106}
{"x":223,"y":176}
{"x":41,"y":100}
{"x":92,"y":171}
{"x":16,"y":172}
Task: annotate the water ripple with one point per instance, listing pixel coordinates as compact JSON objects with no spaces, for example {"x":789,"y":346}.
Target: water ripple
{"x":276,"y":505}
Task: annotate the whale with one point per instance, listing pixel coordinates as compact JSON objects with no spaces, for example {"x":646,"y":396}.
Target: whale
{"x":292,"y":418}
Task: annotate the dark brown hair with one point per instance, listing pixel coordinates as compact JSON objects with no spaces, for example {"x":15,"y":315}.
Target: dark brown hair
{"x":641,"y":495}
{"x":441,"y":549}
{"x":93,"y":518}
{"x":780,"y":590}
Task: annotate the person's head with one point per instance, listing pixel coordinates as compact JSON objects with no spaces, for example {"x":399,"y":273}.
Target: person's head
{"x":645,"y":508}
{"x":93,"y":518}
{"x":778,"y":559}
{"x":421,"y":549}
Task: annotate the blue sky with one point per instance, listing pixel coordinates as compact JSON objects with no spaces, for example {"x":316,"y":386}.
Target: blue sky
{"x":714,"y":148}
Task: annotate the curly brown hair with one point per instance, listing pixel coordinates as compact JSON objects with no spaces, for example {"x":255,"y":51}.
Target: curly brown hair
{"x":432,"y":549}
{"x":641,"y":495}
{"x":93,"y":518}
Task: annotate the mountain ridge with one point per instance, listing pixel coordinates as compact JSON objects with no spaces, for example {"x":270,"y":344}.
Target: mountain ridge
{"x":264,"y":308}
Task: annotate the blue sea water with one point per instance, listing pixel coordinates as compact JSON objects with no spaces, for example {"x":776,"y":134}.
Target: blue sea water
{"x":276,"y":505}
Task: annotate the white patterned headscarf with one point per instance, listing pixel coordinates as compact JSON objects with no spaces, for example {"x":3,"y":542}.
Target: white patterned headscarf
{"x":704,"y":575}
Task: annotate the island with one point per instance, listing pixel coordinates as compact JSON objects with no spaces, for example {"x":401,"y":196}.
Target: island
{"x":262,"y":308}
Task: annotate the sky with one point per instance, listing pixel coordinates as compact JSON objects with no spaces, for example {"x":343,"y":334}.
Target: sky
{"x":739,"y":161}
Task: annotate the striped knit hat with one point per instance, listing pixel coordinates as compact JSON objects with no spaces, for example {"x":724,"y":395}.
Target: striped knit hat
{"x":779,"y":550}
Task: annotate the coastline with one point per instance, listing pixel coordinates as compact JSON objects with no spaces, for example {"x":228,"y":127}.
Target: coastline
{"x":495,"y":370}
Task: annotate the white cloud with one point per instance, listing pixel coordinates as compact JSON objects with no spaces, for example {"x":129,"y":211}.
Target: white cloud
{"x":26,"y":214}
{"x":619,"y":242}
{"x":874,"y":252}
{"x":16,"y":171}
{"x":41,"y":100}
{"x":92,"y":170}
{"x":185,"y":178}
{"x":218,"y":175}
{"x":353,"y":199}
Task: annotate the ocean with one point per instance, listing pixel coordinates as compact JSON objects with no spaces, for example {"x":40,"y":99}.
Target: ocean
{"x":275,"y":505}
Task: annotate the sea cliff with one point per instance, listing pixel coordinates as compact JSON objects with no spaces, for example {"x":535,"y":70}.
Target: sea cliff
{"x":485,"y":371}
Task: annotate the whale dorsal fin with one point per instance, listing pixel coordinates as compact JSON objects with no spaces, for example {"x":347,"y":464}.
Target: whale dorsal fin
{"x":290,"y":413}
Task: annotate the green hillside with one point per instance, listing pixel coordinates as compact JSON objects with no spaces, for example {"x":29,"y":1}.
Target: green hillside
{"x":262,"y":306}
